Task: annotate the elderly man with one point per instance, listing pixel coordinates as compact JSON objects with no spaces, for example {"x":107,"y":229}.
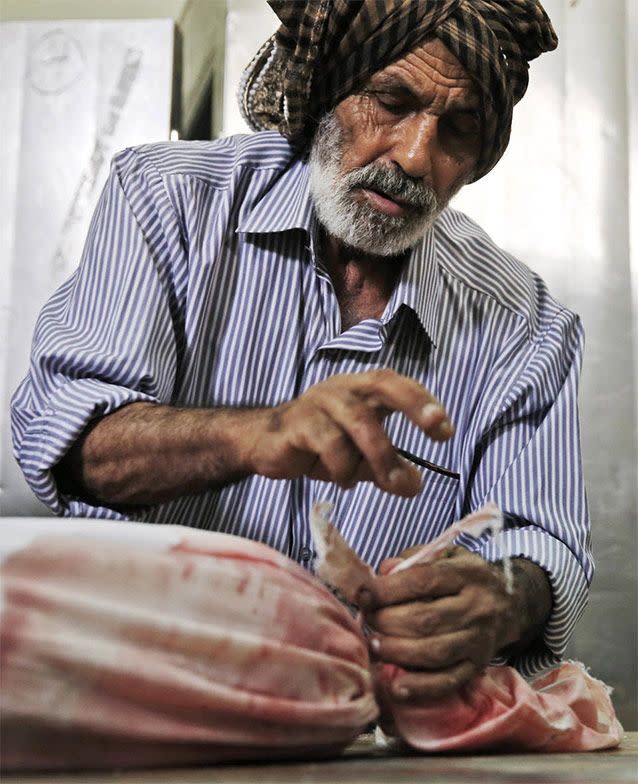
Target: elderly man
{"x":271,"y":320}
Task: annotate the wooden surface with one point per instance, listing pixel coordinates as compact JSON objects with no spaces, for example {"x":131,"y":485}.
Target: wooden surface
{"x":364,"y":763}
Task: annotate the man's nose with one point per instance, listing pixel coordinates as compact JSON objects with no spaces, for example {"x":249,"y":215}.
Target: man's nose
{"x":415,"y":145}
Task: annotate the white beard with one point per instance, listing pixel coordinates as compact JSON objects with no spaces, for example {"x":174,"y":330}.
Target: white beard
{"x":356,"y":223}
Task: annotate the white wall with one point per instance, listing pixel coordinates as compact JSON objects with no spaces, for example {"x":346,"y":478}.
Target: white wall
{"x":201,"y":24}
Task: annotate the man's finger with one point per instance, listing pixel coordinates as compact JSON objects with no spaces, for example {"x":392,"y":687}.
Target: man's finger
{"x":388,"y":564}
{"x":400,"y":393}
{"x":415,"y":686}
{"x":419,"y":619}
{"x":342,"y":418}
{"x":432,"y":580}
{"x":420,"y":582}
{"x":433,"y":653}
{"x":338,"y":458}
{"x":359,"y":422}
{"x":356,"y":404}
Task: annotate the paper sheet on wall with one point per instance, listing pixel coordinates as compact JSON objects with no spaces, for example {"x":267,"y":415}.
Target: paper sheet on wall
{"x":73,"y":93}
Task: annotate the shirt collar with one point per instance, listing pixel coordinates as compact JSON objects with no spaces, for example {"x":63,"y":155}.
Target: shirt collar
{"x":419,"y":287}
{"x":287,"y":205}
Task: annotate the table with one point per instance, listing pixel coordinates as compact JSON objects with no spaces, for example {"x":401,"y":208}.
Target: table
{"x":365,"y":763}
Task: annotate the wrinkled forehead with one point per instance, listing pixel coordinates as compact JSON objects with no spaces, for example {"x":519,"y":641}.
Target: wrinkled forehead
{"x":428,"y":68}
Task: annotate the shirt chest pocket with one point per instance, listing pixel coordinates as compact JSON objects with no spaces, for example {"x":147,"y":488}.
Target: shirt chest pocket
{"x":410,"y":441}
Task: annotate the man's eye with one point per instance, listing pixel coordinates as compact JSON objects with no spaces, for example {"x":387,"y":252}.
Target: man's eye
{"x":464,"y":124}
{"x":391,"y":103}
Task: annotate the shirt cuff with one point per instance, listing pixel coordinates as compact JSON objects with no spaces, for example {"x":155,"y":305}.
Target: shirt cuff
{"x":567,"y":580}
{"x":51,"y":431}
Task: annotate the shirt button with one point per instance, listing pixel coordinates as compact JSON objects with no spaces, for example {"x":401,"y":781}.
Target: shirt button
{"x":306,"y":553}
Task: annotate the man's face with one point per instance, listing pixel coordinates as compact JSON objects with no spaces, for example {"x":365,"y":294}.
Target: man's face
{"x":389,"y":158}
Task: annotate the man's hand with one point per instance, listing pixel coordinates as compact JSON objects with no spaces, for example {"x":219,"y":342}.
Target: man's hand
{"x":444,"y":621}
{"x":335,"y":432}
{"x":145,"y":453}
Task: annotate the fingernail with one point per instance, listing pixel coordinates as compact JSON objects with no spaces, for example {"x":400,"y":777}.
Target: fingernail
{"x":406,"y":479}
{"x":395,"y":476}
{"x":445,"y":429}
{"x":430,"y":412}
{"x":402,"y":692}
{"x":375,"y":644}
{"x":412,"y":470}
{"x":400,"y":474}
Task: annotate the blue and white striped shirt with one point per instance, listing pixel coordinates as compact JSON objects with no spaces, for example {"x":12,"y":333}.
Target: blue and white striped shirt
{"x":200,"y":285}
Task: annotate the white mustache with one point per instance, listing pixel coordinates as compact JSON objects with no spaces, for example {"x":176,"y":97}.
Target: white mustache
{"x":393,"y":183}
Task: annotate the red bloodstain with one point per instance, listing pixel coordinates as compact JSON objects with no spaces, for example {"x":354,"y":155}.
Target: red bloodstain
{"x":243,"y":584}
{"x":188,"y":567}
{"x":14,"y":627}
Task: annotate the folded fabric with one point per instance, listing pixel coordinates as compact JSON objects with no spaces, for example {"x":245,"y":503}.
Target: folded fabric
{"x":124,"y":645}
{"x":565,"y":709}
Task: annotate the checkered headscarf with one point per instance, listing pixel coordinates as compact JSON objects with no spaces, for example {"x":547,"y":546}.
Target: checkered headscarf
{"x":326,"y":49}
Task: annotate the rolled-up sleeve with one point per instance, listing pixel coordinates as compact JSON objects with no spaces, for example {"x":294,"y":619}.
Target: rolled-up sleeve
{"x":109,"y":336}
{"x":529,"y":463}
